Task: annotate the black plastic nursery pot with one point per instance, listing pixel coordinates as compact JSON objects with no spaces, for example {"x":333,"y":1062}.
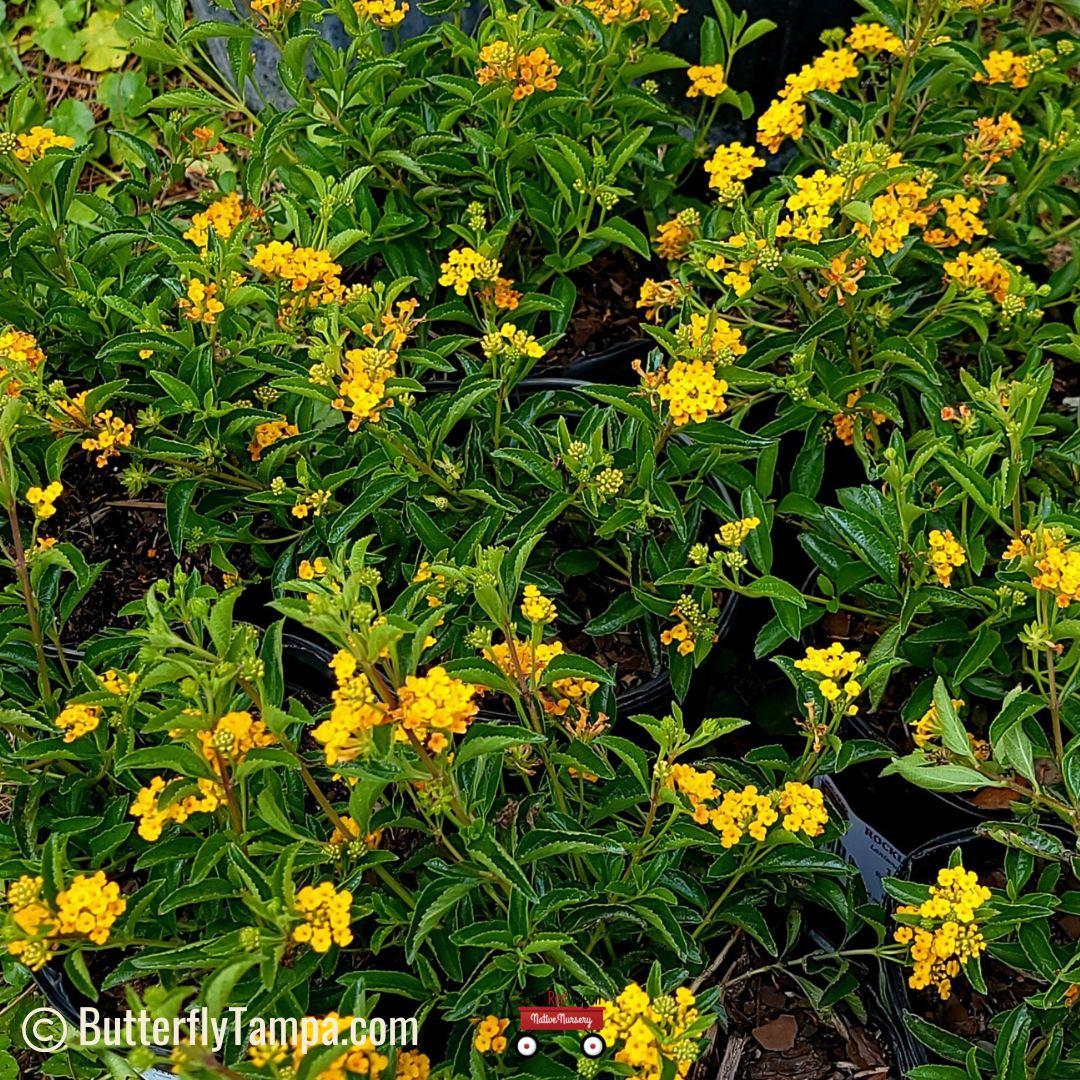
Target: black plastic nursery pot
{"x":945,"y":809}
{"x":927,"y":813}
{"x":980,"y":853}
{"x":611,"y":365}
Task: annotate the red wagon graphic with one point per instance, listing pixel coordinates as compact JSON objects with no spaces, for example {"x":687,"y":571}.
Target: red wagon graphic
{"x":537,"y":1018}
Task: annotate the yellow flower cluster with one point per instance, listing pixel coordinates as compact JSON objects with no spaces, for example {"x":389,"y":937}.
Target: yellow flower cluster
{"x":738,"y":278}
{"x":693,"y":626}
{"x":927,"y":729}
{"x":308,"y":571}
{"x":673,"y":237}
{"x":994,"y":139}
{"x":86,"y":909}
{"x":692,"y":391}
{"x":32,"y":144}
{"x":265,"y":435}
{"x":697,"y":785}
{"x":561,"y":695}
{"x":201,"y":303}
{"x":895,"y":211}
{"x":33,"y":923}
{"x":946,"y":553}
{"x":786,"y":115}
{"x":221,"y":217}
{"x":948,"y":933}
{"x":465,"y":265}
{"x":657,"y":295}
{"x":835,"y":665}
{"x":20,"y":349}
{"x":310,"y":273}
{"x":109,"y":433}
{"x":312,"y":503}
{"x":89,"y":906}
{"x":511,"y":343}
{"x":275,"y":11}
{"x":841,"y":280}
{"x":346,"y":734}
{"x":650,"y":1033}
{"x":708,"y":80}
{"x":811,"y":206}
{"x":710,"y":337}
{"x":431,"y":706}
{"x":399,"y":323}
{"x":743,"y":813}
{"x":983,"y":270}
{"x":1005,"y":66}
{"x":385,"y":14}
{"x":873,"y":38}
{"x":78,"y":720}
{"x":844,"y":422}
{"x":962,"y":222}
{"x":733,"y":533}
{"x":326,"y":914}
{"x":352,"y":833}
{"x":798,"y":807}
{"x":231,"y":737}
{"x":730,"y":165}
{"x":118,"y":683}
{"x":1059,"y":570}
{"x":153,"y":817}
{"x":490,"y":1035}
{"x":681,"y":635}
{"x":803,"y":809}
{"x":536,"y":607}
{"x":622,"y":11}
{"x":527,"y":72}
{"x":362,"y":390}
{"x":43,"y":499}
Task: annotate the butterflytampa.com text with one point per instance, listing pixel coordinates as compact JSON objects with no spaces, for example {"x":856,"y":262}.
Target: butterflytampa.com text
{"x":235,"y":1026}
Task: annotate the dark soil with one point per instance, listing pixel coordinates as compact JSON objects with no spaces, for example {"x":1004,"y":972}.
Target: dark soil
{"x":606,"y":313}
{"x":969,"y":1012}
{"x":97,"y":515}
{"x":774,"y":1034}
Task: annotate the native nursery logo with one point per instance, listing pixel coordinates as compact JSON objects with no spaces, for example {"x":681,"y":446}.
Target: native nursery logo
{"x":559,"y":1014}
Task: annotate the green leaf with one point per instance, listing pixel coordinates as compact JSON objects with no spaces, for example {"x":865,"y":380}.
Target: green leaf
{"x":485,"y":739}
{"x":981,"y":649}
{"x":1024,"y":837}
{"x":1070,"y":768}
{"x":203,"y":892}
{"x":954,"y":736}
{"x":491,"y":854}
{"x":796,"y":859}
{"x":575,"y":667}
{"x":437,"y":899}
{"x":178,"y":501}
{"x":932,"y":777}
{"x":776,"y":588}
{"x":549,"y":843}
{"x":375,"y":493}
{"x":622,"y":611}
{"x":619,"y":231}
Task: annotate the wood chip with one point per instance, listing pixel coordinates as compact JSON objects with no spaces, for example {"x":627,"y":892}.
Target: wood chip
{"x":779,"y":1034}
